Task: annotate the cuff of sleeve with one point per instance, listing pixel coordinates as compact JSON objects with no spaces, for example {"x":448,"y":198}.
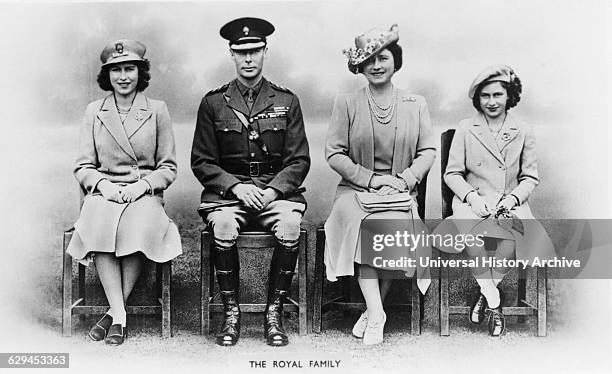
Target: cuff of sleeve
{"x":149,"y":187}
{"x":466,"y":195}
{"x":518,"y":201}
{"x":94,"y":187}
{"x":410,"y":179}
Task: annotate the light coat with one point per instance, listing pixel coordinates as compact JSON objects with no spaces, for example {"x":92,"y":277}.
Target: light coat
{"x":350,"y":152}
{"x":141,"y":148}
{"x":495,"y":167}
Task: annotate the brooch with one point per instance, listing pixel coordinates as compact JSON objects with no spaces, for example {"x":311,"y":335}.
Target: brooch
{"x":139,"y":116}
{"x":505,"y":136}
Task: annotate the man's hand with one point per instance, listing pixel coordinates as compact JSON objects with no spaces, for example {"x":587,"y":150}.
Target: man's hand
{"x":269,"y":195}
{"x":250,"y":195}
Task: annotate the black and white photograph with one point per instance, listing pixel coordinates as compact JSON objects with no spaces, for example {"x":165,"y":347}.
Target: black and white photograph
{"x":306,"y":186}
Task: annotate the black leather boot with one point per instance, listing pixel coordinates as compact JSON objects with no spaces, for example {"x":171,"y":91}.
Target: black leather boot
{"x":283,"y":269}
{"x":227,"y":270}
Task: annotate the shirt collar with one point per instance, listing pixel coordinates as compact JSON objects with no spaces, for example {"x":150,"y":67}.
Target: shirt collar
{"x":243,"y":89}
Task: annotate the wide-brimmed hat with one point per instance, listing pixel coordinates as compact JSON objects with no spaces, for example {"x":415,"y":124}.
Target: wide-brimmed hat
{"x":494,"y":73}
{"x":370,"y":43}
{"x":122,"y":50}
{"x":246,"y":33}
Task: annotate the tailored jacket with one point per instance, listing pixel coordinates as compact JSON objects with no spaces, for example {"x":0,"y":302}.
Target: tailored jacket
{"x":350,"y":140}
{"x":350,"y":152}
{"x":142,"y":148}
{"x":221,"y":140}
{"x":493,"y":167}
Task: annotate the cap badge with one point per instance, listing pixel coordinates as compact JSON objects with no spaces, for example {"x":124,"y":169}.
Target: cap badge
{"x":246,"y":30}
{"x":119,"y":47}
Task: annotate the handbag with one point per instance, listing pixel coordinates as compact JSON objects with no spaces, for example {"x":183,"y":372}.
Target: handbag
{"x":372,"y":202}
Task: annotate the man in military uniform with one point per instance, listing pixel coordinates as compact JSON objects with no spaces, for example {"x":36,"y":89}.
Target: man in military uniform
{"x":250,"y":153}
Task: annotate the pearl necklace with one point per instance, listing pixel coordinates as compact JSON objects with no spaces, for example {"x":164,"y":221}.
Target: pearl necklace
{"x":382,"y":114}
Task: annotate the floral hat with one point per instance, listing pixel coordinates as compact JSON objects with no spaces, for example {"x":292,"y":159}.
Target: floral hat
{"x":370,"y":43}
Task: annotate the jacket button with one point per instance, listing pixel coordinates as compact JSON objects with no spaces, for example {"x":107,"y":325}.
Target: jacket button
{"x":252,"y":154}
{"x":276,"y":128}
{"x":476,"y":188}
{"x":226,"y":129}
{"x":134,"y":167}
{"x":251,"y":120}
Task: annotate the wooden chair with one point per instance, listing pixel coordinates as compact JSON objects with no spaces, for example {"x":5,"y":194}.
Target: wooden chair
{"x":79,"y":306}
{"x":163,"y":274}
{"x":259,"y":240}
{"x":344,"y":302}
{"x":524,"y":308}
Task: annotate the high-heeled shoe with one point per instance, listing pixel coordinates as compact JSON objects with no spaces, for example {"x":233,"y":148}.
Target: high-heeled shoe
{"x":116,"y":335}
{"x":99,"y":330}
{"x":361,"y":324}
{"x":374,"y":331}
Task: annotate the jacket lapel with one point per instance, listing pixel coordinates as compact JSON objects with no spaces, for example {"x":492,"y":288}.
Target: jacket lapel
{"x":481,"y":132}
{"x":234,"y":99}
{"x":509,"y":131}
{"x":110,"y":119}
{"x":401,"y":132}
{"x":264,"y":98}
{"x":366,"y":153}
{"x":137,"y":116}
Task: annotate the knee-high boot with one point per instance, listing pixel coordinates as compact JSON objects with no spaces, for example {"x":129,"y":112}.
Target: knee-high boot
{"x":281,"y":274}
{"x":227,"y":269}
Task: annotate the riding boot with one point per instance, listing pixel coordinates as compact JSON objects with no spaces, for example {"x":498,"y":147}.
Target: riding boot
{"x":227,"y":269}
{"x":281,"y":275}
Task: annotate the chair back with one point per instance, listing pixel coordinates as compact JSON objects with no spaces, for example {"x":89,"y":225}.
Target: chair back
{"x":447,"y":195}
{"x":421,"y":194}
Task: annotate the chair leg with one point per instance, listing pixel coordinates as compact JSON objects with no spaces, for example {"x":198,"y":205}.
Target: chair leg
{"x":542,"y":301}
{"x":415,"y":313}
{"x":522,"y":292}
{"x":444,"y":307}
{"x":166,"y":270}
{"x":67,"y":288}
{"x":205,"y":280}
{"x":302,"y":281}
{"x":317,"y":321}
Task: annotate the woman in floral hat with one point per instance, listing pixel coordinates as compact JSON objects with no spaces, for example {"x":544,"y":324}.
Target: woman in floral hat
{"x":380,"y":139}
{"x":492,"y":169}
{"x":126,"y":161}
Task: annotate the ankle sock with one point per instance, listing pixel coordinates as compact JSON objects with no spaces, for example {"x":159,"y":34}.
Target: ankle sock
{"x":490,"y":291}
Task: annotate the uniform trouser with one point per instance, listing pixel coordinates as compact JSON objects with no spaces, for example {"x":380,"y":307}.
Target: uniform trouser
{"x":281,"y":217}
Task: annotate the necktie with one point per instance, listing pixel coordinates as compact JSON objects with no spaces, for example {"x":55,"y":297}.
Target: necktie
{"x":250,"y":99}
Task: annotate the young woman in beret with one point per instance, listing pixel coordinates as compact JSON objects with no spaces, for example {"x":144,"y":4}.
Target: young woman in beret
{"x":492,"y":169}
{"x":380,"y":139}
{"x":125,"y":162}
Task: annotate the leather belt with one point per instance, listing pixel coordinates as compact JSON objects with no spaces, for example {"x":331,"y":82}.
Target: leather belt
{"x":254,"y":168}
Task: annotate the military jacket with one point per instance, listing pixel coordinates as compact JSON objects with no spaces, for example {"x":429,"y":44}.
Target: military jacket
{"x":221,"y":140}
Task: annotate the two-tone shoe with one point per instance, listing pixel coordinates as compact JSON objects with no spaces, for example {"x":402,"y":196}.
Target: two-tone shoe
{"x":116,"y":335}
{"x":477,"y":311}
{"x":100,"y":329}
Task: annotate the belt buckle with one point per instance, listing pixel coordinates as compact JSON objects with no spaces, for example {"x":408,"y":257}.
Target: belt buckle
{"x":254,"y":170}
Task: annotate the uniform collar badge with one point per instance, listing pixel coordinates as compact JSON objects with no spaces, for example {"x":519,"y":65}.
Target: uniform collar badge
{"x":505,"y":136}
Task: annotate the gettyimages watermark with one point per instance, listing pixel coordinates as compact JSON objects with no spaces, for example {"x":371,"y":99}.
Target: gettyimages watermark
{"x":569,"y":249}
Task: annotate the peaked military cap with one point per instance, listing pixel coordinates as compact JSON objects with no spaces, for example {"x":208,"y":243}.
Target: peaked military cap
{"x":246,"y":33}
{"x":122,"y":50}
